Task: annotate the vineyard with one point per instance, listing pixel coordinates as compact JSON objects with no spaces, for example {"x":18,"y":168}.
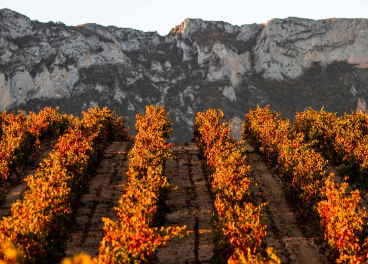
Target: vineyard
{"x":83,"y":190}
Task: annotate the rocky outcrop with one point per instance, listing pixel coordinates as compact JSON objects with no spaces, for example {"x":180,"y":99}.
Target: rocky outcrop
{"x":288,"y":47}
{"x":362,"y":105}
{"x":290,"y":63}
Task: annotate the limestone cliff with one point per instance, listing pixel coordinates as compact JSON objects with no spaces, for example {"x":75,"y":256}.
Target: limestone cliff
{"x":290,"y":63}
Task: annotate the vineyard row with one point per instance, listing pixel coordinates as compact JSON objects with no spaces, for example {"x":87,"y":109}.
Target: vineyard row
{"x":342,"y":221}
{"x":39,"y":224}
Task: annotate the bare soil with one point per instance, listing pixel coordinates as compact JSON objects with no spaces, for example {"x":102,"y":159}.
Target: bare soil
{"x":105,"y":189}
{"x":283,"y":232}
{"x":190,"y":205}
{"x":16,"y":186}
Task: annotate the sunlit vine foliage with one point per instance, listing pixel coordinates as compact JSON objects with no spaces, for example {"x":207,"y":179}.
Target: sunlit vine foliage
{"x":342,"y":221}
{"x":39,"y":224}
{"x":342,"y":139}
{"x":240,"y":226}
{"x":134,"y":236}
{"x":21,"y":134}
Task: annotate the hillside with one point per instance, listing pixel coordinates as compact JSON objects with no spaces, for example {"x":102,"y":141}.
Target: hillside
{"x":290,"y":63}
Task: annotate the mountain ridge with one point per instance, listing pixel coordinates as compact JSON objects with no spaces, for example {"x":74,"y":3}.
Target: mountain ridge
{"x":291,"y":63}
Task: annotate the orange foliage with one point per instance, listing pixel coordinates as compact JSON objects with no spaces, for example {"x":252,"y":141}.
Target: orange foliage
{"x":240,"y":227}
{"x":132,"y":238}
{"x":21,"y":135}
{"x":39,"y":224}
{"x":342,"y":221}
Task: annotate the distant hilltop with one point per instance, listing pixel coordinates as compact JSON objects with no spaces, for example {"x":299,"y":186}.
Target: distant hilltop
{"x":291,"y":63}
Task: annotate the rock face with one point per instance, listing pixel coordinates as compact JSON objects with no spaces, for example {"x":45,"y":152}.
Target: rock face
{"x":362,"y":105}
{"x":288,"y":47}
{"x":290,"y":63}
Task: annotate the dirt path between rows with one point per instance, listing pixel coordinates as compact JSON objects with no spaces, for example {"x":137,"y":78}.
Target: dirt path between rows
{"x":339,"y":176}
{"x":351,"y":187}
{"x":105,"y":188}
{"x":283,"y":233}
{"x":16,"y":186}
{"x":190,"y":205}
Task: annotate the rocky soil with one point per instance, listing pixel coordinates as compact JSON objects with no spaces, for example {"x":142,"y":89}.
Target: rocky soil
{"x":105,"y":190}
{"x":191,"y":205}
{"x":283,"y":232}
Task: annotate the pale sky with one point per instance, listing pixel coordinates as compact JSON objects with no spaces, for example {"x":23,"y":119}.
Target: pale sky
{"x":162,"y":15}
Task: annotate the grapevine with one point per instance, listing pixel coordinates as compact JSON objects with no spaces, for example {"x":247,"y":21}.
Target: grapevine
{"x":135,"y":237}
{"x":39,"y":224}
{"x":305,"y":171}
{"x":240,"y":226}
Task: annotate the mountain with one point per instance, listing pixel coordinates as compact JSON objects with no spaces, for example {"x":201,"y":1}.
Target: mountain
{"x":290,"y":63}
